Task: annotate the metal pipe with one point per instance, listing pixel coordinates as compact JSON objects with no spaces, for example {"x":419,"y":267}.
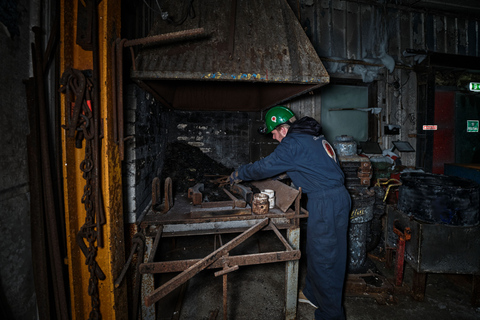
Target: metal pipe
{"x":119,"y":61}
{"x":53,"y":240}
{"x":100,"y":214}
{"x":114,"y":91}
{"x":168,"y":37}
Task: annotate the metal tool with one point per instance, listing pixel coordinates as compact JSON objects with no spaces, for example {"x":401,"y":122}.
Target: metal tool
{"x":195,"y":193}
{"x":236,"y":202}
{"x":156,"y":200}
{"x":221,"y":180}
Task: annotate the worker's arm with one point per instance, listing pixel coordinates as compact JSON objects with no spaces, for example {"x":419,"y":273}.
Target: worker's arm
{"x":279,"y":161}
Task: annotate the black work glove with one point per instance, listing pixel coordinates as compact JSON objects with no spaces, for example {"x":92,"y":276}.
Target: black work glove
{"x":233,"y":179}
{"x":280,"y":177}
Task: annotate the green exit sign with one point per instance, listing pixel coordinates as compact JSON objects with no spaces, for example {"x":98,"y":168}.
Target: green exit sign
{"x":472,"y":125}
{"x":474,"y":86}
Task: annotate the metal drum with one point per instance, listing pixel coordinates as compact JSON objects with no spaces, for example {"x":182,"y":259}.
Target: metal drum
{"x":345,"y":146}
{"x":360,"y":217}
{"x":434,"y":198}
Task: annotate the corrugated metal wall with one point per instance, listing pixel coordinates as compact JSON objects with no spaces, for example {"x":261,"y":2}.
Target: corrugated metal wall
{"x":358,"y":40}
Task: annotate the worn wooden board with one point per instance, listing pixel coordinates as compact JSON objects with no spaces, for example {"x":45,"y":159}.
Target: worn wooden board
{"x":284,"y":195}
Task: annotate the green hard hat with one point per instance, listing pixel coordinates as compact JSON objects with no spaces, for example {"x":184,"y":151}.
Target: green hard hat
{"x":276,"y":116}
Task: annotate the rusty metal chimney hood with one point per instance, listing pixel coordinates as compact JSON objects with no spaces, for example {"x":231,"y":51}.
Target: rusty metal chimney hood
{"x":250,"y":56}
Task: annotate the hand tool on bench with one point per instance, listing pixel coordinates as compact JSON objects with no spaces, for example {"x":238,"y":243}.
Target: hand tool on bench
{"x":236,"y":202}
{"x":195,"y":193}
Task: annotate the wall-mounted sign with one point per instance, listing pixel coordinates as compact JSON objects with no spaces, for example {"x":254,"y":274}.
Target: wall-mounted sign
{"x":429,"y":127}
{"x":472,"y":125}
{"x":474,"y":86}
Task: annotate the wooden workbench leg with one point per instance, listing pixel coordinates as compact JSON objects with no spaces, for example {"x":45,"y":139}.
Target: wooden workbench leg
{"x":291,"y":276}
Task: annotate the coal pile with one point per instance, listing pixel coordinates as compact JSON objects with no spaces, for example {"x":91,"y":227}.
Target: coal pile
{"x":187,"y":165}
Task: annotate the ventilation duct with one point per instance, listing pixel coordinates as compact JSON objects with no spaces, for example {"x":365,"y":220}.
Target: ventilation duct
{"x":245,"y":56}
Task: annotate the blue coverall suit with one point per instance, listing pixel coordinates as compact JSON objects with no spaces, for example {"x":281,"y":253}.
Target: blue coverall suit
{"x":310,"y":162}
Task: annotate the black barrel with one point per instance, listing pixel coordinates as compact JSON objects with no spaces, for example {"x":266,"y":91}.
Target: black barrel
{"x":360,"y":217}
{"x":440,"y":199}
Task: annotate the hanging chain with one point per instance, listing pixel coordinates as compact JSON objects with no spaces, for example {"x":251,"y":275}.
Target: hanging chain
{"x":80,"y":119}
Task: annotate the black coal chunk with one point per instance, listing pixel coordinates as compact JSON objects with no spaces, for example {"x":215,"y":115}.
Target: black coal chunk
{"x":187,"y":165}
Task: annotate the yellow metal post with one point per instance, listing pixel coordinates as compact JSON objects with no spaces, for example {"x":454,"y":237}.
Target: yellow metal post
{"x":113,"y":301}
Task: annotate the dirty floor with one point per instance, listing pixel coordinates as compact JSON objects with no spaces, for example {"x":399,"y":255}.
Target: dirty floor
{"x":257,"y":292}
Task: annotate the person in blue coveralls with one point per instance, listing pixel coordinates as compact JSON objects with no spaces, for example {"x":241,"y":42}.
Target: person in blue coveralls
{"x":310,"y":162}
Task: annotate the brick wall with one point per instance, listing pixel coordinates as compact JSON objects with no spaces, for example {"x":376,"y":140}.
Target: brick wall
{"x":229,"y":138}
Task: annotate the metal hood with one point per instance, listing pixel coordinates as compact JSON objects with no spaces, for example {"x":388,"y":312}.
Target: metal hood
{"x":237,"y":55}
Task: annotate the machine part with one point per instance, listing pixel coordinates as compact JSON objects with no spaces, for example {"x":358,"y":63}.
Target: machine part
{"x":240,"y":260}
{"x":360,"y":217}
{"x":139,"y":240}
{"x":168,"y":195}
{"x":389,"y":183}
{"x":345,"y":146}
{"x":222,"y":180}
{"x":226,"y":270}
{"x":53,"y":238}
{"x":99,"y":209}
{"x":119,"y":98}
{"x":236,"y":202}
{"x":403,"y":237}
{"x":168,"y":202}
{"x":217,"y":204}
{"x":37,"y":209}
{"x":202,"y":264}
{"x":260,"y":203}
{"x":436,"y":248}
{"x":168,"y":38}
{"x":245,"y":192}
{"x":218,"y":208}
{"x":357,"y":170}
{"x":148,"y":280}
{"x":286,"y":195}
{"x":155,"y":192}
{"x":439,"y":199}
{"x":291,"y":275}
{"x":138,"y":246}
{"x":375,"y":231}
{"x":195,"y":193}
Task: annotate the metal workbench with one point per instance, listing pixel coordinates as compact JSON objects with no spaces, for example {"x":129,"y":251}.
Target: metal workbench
{"x":184,"y":219}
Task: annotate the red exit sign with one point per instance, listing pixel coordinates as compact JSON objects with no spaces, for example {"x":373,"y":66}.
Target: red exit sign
{"x":430,"y":127}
